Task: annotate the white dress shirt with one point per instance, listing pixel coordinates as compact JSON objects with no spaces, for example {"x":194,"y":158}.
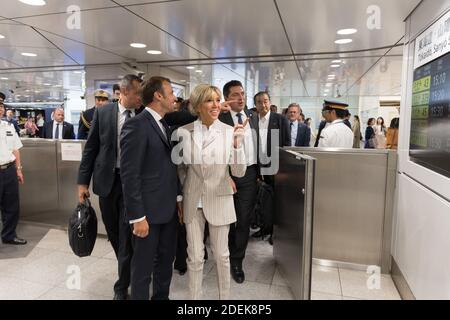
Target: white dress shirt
{"x":263,"y":129}
{"x":294,"y":130}
{"x":60,"y":129}
{"x":249,"y":145}
{"x":336,"y":135}
{"x":120,"y":121}
{"x":9,"y":141}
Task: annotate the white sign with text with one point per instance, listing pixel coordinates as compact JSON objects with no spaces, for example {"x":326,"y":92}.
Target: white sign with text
{"x":71,"y":151}
{"x":434,"y":42}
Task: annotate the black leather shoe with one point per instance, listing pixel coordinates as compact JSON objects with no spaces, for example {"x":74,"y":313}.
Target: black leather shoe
{"x":238,"y":274}
{"x":16,"y":241}
{"x":182,"y":271}
{"x":206,"y":254}
{"x":120,"y":296}
{"x":270,"y":240}
{"x":257,"y":234}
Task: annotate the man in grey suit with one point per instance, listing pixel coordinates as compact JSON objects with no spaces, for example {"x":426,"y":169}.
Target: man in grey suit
{"x":101,"y":161}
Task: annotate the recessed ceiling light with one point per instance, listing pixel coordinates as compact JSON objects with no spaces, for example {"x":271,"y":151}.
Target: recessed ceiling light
{"x":28,"y":54}
{"x":2,"y":36}
{"x":335,"y":66}
{"x":347,"y":31}
{"x":198,"y":71}
{"x":190,"y":68}
{"x":77,"y":71}
{"x":336,"y":61}
{"x":34,"y":2}
{"x":331,"y":76}
{"x":138,"y":45}
{"x":182,"y":80}
{"x":329,"y":85}
{"x":4,"y":78}
{"x":154,"y":52}
{"x":343,"y":41}
{"x":47,"y":84}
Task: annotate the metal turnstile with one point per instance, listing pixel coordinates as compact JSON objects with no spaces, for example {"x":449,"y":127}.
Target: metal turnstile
{"x":293,"y":221}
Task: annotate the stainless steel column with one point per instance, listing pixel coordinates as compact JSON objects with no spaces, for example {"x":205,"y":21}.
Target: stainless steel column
{"x":293,"y":221}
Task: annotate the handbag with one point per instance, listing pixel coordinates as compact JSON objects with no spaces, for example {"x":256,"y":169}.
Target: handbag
{"x":83,"y":229}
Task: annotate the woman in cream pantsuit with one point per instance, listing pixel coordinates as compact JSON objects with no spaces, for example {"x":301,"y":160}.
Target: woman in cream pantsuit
{"x":209,"y":149}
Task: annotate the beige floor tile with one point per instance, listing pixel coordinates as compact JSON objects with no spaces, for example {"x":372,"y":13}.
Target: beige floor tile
{"x":278,"y":279}
{"x":326,"y":280}
{"x":17,"y":289}
{"x":280,"y":293}
{"x":324,"y":296}
{"x":354,"y":284}
{"x":66,"y":294}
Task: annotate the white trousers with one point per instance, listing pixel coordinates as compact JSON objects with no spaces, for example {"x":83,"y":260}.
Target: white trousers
{"x":195,"y":261}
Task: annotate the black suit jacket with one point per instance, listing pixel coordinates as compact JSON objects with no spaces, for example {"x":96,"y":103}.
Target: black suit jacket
{"x":226,"y":118}
{"x":67,"y":132}
{"x":100,"y":151}
{"x":303,"y":135}
{"x":281,"y":123}
{"x":149,"y":177}
{"x":83,"y":130}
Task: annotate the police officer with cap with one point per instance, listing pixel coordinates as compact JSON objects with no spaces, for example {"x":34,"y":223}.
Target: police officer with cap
{"x":336,"y":134}
{"x":101,"y":98}
{"x":10,"y":177}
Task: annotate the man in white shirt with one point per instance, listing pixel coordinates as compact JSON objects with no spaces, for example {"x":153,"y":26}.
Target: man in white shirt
{"x":337,"y":134}
{"x":10,"y":177}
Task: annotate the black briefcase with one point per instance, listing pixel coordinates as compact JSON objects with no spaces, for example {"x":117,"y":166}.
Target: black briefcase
{"x":83,"y":229}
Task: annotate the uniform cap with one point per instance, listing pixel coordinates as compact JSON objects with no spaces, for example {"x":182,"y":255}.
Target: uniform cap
{"x":101,"y":94}
{"x":328,"y":105}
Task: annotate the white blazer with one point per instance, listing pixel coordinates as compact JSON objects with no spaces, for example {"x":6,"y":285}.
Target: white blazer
{"x":204,"y":170}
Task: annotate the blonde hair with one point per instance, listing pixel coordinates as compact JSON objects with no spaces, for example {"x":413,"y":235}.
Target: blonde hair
{"x":201,"y":94}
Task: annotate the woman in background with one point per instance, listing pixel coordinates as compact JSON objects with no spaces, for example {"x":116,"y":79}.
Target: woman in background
{"x":31,"y":127}
{"x":392,"y":134}
{"x":357,"y":137}
{"x":380,"y":134}
{"x":370,"y":135}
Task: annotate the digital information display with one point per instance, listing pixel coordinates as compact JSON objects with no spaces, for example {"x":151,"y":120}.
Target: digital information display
{"x":430,"y":117}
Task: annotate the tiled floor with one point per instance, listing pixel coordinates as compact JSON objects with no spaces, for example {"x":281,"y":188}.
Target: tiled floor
{"x":44,"y":269}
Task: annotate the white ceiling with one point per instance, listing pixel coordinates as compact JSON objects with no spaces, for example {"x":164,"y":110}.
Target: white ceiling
{"x":294,"y":37}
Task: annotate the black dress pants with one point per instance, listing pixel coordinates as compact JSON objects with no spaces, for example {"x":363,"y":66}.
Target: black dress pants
{"x":244,"y":203}
{"x":118,"y":230}
{"x":9,"y":202}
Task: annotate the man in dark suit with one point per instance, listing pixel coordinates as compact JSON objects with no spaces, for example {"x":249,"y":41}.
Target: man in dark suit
{"x":10,"y":118}
{"x":85,"y":123}
{"x":58,"y":128}
{"x":270,"y":125}
{"x":300,"y":134}
{"x":245,"y":197}
{"x":102,"y":162}
{"x":150,"y":189}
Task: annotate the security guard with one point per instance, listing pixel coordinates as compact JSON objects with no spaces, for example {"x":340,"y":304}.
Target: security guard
{"x":10,"y":176}
{"x":101,"y":98}
{"x":336,"y":134}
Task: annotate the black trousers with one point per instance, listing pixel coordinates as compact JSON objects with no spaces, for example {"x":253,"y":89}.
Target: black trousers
{"x":119,"y":233}
{"x":244,"y":203}
{"x":154,"y":254}
{"x":9,"y":202}
{"x":267,"y":228}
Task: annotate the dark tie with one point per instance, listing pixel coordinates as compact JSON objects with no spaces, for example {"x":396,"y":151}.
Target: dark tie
{"x":127,"y":115}
{"x":292,"y":125}
{"x":57,"y":131}
{"x":167,"y":130}
{"x":239,"y":115}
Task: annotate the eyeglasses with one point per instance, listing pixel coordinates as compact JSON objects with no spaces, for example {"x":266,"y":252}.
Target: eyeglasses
{"x":325,"y":112}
